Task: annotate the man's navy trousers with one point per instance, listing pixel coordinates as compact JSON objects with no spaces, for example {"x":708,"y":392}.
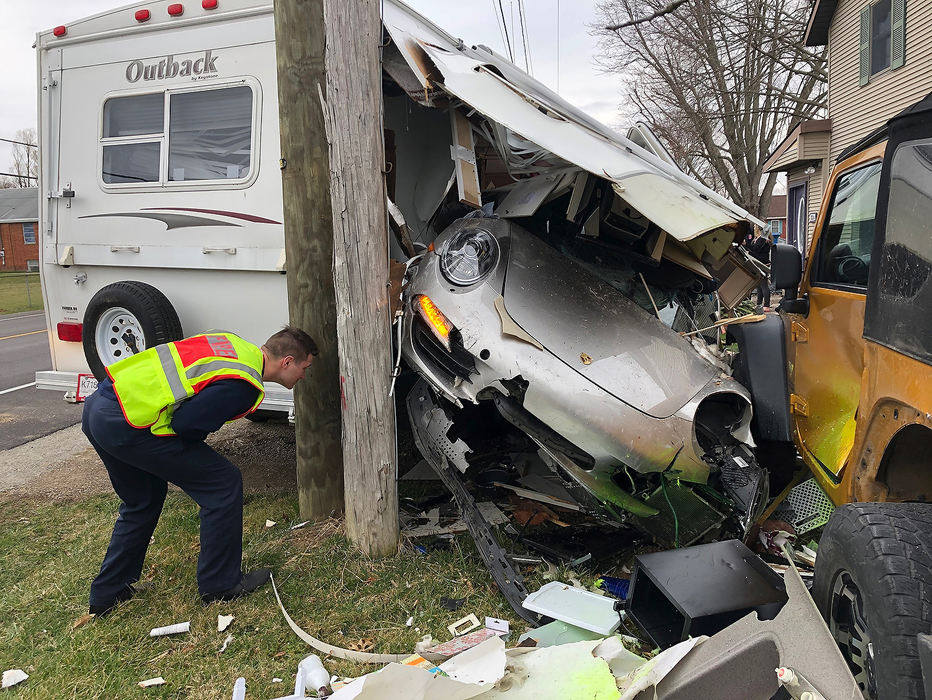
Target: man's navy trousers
{"x":140,"y":464}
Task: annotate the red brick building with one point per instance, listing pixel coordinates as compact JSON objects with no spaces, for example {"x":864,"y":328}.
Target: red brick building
{"x":19,"y":229}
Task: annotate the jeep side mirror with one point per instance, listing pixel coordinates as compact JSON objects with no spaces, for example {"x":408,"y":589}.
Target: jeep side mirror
{"x":786,"y":266}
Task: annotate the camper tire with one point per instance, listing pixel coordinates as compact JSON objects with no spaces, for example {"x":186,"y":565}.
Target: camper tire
{"x":872,"y":583}
{"x":124,"y":318}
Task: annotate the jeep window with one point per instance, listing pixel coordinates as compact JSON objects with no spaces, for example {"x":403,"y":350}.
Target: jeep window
{"x":904,"y":280}
{"x":207,"y":134}
{"x":210,"y":134}
{"x":844,"y":254}
{"x":132,"y":137}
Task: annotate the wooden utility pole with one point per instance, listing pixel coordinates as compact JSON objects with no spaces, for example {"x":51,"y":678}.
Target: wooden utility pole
{"x":346,"y":80}
{"x":299,"y":29}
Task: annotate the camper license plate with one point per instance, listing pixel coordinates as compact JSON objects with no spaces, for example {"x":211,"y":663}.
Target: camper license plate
{"x":87,"y":385}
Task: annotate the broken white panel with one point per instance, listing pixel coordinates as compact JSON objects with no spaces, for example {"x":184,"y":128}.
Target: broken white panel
{"x":653,"y":671}
{"x":526,"y":196}
{"x":224,"y":621}
{"x":464,"y":159}
{"x":479,"y":664}
{"x":151,"y":682}
{"x":523,"y":105}
{"x":568,"y":672}
{"x":400,"y":682}
{"x":576,"y":606}
{"x":180,"y":628}
{"x":13,"y":677}
{"x":620,"y":661}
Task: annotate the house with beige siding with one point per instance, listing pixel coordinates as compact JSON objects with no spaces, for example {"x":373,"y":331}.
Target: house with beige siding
{"x":879,"y":63}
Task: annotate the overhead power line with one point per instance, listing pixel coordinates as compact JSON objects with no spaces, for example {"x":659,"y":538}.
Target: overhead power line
{"x":511,"y":53}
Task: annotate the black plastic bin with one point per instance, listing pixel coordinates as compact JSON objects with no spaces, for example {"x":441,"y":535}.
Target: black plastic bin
{"x":701,"y":590}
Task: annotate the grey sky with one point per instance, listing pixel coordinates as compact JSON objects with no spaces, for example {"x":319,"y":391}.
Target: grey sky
{"x":474,"y":21}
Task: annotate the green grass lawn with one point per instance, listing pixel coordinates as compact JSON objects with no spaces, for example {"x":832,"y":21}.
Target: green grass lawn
{"x":20,"y":291}
{"x":50,"y":553}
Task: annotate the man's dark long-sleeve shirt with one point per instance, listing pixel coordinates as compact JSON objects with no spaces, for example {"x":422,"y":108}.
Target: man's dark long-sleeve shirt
{"x":207,"y":410}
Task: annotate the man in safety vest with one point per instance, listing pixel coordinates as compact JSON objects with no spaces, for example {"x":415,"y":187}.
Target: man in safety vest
{"x":148,"y":422}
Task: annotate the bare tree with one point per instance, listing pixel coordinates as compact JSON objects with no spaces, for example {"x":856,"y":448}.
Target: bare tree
{"x":24,"y":168}
{"x":719,"y":81}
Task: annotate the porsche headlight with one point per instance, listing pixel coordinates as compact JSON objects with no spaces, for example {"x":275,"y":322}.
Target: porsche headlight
{"x":469,"y":256}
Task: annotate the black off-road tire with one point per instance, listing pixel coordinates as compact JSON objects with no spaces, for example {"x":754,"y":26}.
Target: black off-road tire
{"x":157,"y":318}
{"x":873,"y":579}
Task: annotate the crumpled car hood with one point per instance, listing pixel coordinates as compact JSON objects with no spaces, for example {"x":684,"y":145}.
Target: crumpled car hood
{"x":574,"y":314}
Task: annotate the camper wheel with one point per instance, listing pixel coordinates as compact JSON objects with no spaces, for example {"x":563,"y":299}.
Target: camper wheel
{"x":124,"y":318}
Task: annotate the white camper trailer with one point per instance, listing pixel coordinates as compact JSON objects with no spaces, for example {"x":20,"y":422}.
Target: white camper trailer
{"x":161,"y":210}
{"x":162,"y":206}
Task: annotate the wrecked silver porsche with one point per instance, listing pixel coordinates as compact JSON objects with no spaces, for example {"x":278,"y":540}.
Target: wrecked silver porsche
{"x":560,"y":278}
{"x":617,"y":403}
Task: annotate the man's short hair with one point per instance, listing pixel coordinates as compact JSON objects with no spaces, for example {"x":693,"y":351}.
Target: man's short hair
{"x":291,"y":341}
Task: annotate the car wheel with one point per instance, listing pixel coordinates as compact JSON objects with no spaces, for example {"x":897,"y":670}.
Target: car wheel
{"x":124,"y":318}
{"x":873,"y":585}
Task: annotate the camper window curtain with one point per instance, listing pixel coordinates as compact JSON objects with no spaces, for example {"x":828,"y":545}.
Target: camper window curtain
{"x":210,"y":134}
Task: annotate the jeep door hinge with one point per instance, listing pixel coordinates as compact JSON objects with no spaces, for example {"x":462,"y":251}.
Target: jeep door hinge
{"x":799,"y":332}
{"x":799,"y":405}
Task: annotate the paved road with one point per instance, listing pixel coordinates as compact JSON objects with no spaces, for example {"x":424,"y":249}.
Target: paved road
{"x":25,"y":412}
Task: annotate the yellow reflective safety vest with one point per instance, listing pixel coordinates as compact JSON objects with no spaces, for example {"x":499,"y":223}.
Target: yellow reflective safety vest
{"x":151,"y":384}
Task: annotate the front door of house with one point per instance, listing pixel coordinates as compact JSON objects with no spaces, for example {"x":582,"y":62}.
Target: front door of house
{"x":796,"y":228}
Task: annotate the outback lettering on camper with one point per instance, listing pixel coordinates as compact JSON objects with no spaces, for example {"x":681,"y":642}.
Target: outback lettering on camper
{"x":170,"y":67}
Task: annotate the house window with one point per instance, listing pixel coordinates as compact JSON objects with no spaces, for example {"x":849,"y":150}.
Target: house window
{"x":29,"y":234}
{"x":776,"y":227}
{"x":32,"y":265}
{"x":203,"y":135}
{"x":882,"y":38}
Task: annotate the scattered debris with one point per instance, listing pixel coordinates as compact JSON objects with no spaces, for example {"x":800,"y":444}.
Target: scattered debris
{"x":492,"y":514}
{"x":224,"y":621}
{"x":556,"y":633}
{"x":654,"y":670}
{"x":299,"y":525}
{"x":409,"y":621}
{"x":311,"y":676}
{"x":179,"y":628}
{"x":270,"y":523}
{"x":226,"y":643}
{"x":13,"y":677}
{"x":151,"y":682}
{"x":363,"y":644}
{"x":276,"y":680}
{"x":576,"y":606}
{"x":452,"y":604}
{"x":81,"y":621}
{"x":239,"y":689}
{"x":494,"y":623}
{"x":466,"y":675}
{"x":464,"y":625}
{"x":458,"y":645}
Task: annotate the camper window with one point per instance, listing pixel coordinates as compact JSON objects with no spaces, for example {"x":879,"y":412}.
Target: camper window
{"x":209,"y":136}
{"x":132,"y":134}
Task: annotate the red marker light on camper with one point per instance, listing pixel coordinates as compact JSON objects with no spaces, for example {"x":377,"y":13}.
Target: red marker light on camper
{"x":143,"y":15}
{"x":70,"y":332}
{"x":209,"y":4}
{"x":176,"y":10}
{"x":59,"y":31}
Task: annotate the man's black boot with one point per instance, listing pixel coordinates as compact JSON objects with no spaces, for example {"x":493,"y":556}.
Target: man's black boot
{"x":102,"y":610}
{"x":247,"y":584}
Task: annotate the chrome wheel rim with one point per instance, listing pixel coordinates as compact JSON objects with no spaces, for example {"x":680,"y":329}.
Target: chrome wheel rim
{"x":848,"y":625}
{"x":118,"y":335}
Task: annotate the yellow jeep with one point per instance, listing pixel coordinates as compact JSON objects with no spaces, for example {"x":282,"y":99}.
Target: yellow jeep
{"x":858,"y":327}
